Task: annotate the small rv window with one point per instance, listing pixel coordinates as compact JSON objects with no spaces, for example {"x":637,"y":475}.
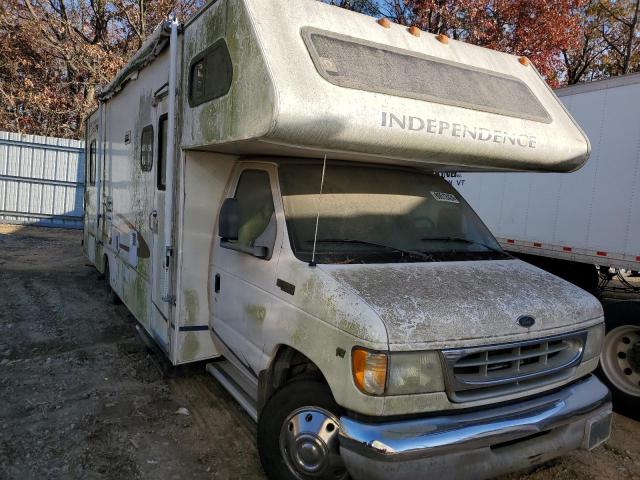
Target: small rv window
{"x":210,"y":74}
{"x":255,"y":204}
{"x":92,"y":162}
{"x":362,"y":65}
{"x":146,"y":149}
{"x":162,"y":153}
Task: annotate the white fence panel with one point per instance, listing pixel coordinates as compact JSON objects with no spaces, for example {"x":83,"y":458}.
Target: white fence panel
{"x":41,"y":180}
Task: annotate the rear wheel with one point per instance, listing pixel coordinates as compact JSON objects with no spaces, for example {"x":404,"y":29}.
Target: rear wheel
{"x":620,"y":359}
{"x":298,"y":433}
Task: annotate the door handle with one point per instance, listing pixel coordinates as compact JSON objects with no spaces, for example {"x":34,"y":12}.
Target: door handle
{"x":216,"y":283}
{"x":153,"y":221}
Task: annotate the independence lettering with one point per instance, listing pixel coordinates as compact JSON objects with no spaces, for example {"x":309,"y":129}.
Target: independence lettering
{"x":459,"y":130}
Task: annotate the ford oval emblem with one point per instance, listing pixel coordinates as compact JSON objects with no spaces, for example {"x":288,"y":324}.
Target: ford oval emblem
{"x":526,"y":321}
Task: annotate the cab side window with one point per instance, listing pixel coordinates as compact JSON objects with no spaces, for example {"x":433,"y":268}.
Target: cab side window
{"x":255,"y":205}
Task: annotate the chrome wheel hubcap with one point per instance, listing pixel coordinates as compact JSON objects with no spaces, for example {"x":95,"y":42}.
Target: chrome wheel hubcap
{"x":621,"y":359}
{"x":309,"y":444}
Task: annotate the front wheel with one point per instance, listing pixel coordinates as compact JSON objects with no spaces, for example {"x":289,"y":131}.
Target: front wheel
{"x":620,"y":359}
{"x":298,"y":433}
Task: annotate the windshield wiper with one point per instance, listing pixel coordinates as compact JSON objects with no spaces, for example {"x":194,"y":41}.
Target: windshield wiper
{"x":414,"y":253}
{"x":465,"y":240}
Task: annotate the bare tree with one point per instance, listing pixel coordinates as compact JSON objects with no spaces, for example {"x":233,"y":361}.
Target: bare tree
{"x":620,"y":30}
{"x":582,"y":63}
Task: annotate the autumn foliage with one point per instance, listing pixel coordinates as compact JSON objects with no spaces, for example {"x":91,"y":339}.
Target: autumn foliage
{"x":533,"y":28}
{"x":56,"y":54}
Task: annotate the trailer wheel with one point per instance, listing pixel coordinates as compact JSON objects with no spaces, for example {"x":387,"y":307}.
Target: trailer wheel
{"x":113,"y":296}
{"x":620,"y":359}
{"x":298,"y":433}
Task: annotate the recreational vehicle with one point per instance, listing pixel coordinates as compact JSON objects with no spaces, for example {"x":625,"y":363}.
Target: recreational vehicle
{"x":263,"y":193}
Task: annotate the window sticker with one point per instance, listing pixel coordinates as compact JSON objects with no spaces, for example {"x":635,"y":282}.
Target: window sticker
{"x":445,"y":197}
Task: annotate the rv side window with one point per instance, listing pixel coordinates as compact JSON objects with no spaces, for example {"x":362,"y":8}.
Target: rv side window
{"x":255,"y":205}
{"x":162,"y":153}
{"x":210,"y":74}
{"x":146,"y":149}
{"x":92,"y":162}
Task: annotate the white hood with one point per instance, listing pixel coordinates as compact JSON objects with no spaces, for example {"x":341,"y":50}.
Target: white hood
{"x":449,"y":304}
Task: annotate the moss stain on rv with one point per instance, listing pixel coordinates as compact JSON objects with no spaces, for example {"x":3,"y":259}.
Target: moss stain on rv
{"x":190,"y":346}
{"x":225,"y":118}
{"x":297,"y":337}
{"x":207,"y":29}
{"x":322,"y":302}
{"x":142,"y":183}
{"x":136,"y":295}
{"x":255,"y":315}
{"x":136,"y":287}
{"x":191,"y":307}
{"x":256,"y":312}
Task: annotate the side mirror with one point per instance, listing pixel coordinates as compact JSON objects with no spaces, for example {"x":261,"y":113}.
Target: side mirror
{"x":229,"y":220}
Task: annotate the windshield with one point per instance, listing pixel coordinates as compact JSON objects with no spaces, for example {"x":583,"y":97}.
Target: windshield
{"x":377,"y":214}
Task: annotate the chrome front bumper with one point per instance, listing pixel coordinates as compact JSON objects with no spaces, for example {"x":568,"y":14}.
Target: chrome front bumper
{"x":480,"y":444}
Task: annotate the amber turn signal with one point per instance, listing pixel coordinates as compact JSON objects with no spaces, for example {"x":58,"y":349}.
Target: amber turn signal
{"x":369,"y":371}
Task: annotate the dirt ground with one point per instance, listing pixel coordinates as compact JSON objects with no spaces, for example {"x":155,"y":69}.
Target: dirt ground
{"x":82,"y":397}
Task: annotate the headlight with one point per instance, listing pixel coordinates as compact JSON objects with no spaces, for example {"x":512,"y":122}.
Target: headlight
{"x":399,"y":373}
{"x":593,"y":346}
{"x":414,"y":372}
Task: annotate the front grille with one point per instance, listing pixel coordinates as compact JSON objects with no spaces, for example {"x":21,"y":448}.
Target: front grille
{"x":496,"y":370}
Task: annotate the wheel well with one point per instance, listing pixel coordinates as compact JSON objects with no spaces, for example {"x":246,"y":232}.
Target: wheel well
{"x":288,"y":364}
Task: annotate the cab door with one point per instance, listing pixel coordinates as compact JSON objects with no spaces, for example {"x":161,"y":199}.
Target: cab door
{"x":243,"y":283}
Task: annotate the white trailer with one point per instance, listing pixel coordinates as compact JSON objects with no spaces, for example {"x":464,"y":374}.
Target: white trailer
{"x":262,"y":191}
{"x":567,"y":223}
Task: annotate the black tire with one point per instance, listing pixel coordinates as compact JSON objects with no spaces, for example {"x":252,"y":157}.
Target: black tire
{"x":294,"y":395}
{"x":113,"y":297}
{"x":620,"y":317}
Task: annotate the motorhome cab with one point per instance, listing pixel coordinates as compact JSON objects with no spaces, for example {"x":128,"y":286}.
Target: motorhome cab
{"x":263,"y":192}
